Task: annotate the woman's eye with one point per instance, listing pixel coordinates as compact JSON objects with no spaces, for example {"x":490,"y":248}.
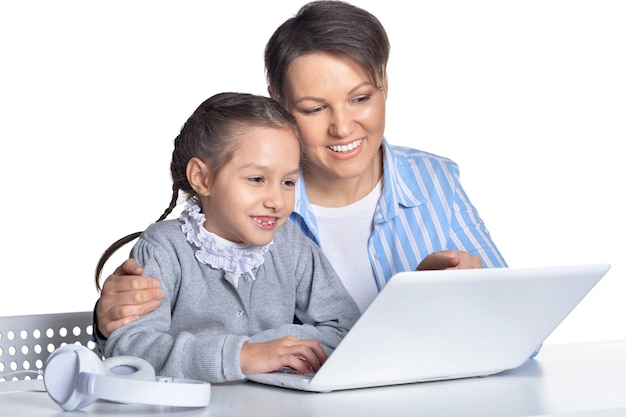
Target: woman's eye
{"x":289,"y":183}
{"x":256,"y":179}
{"x":313,"y":110}
{"x":361,"y":99}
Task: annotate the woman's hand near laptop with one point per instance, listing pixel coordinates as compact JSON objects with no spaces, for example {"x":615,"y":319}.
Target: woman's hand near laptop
{"x":126,"y":294}
{"x":449,"y":259}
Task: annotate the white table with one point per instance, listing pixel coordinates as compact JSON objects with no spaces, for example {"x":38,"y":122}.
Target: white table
{"x":573,"y":380}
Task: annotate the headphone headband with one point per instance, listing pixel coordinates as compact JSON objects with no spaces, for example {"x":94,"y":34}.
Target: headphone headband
{"x":173,"y":392}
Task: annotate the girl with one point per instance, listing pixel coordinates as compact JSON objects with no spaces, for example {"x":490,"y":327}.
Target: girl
{"x":236,"y":275}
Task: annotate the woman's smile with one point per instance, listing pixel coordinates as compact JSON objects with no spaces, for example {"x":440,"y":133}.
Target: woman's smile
{"x":346,"y":148}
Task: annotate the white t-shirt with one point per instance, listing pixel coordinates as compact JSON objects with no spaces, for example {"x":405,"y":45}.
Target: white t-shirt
{"x":344,"y":234}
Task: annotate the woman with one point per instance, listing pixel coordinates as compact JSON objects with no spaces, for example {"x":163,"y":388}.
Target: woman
{"x":373,"y":208}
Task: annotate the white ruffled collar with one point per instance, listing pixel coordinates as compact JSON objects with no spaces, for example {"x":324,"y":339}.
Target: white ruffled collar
{"x":215,"y":251}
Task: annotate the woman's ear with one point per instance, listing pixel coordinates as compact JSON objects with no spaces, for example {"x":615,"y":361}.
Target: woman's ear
{"x":272,"y":93}
{"x":198,"y":175}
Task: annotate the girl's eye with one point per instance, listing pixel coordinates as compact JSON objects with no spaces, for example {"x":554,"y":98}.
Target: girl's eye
{"x":256,"y":179}
{"x":289,"y":183}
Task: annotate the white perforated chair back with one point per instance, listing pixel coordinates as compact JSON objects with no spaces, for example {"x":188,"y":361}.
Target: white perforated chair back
{"x":27,"y":341}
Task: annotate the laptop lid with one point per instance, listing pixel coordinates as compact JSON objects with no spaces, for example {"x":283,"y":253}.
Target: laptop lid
{"x":434,"y":325}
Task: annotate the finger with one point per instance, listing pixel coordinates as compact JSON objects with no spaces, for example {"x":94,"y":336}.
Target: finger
{"x":132,"y":302}
{"x":119,"y":305}
{"x":299,"y":363}
{"x":142,"y":283}
{"x":311,"y":354}
{"x":320,"y":354}
{"x":129,"y":267}
{"x":124,"y":283}
{"x":469,"y":261}
{"x":454,"y":263}
{"x":110,"y":326}
{"x":119,"y":316}
{"x":435,"y":261}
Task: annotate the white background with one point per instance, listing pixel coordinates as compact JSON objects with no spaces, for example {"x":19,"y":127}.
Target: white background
{"x":529,"y":97}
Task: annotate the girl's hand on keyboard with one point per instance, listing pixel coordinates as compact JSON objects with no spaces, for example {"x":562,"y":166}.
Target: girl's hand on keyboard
{"x":303,"y":355}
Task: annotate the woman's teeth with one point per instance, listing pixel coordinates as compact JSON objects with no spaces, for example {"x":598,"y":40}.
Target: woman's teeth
{"x":346,"y":148}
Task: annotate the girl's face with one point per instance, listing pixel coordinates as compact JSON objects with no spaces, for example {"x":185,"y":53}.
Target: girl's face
{"x":340,"y":112}
{"x":253,"y":195}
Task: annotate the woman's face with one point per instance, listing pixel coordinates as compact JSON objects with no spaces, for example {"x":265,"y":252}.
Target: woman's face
{"x":340,"y":112}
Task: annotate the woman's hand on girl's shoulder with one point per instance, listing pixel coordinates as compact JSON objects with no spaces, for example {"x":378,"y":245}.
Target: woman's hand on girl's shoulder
{"x":125,"y":296}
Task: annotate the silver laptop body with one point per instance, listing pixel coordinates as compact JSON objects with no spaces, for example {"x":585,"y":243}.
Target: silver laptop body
{"x":435,"y":325}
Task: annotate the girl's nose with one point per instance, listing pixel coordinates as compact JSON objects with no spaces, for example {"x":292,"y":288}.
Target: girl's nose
{"x":275,"y":199}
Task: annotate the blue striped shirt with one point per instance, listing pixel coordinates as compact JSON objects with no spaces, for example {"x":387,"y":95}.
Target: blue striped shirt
{"x":423,"y":209}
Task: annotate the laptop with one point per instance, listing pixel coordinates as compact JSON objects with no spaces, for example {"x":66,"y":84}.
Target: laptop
{"x":440,"y":325}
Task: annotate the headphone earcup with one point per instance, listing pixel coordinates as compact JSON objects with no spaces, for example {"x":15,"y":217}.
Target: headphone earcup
{"x":129,"y":367}
{"x":61,"y":373}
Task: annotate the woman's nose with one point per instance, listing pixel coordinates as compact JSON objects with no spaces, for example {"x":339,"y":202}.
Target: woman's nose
{"x":341,"y":123}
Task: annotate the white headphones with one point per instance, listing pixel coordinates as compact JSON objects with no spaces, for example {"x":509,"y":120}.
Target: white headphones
{"x":75,"y":377}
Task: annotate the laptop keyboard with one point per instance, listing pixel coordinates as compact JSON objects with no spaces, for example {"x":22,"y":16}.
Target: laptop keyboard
{"x":291,"y":371}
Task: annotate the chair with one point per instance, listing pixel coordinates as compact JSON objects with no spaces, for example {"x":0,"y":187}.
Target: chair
{"x":27,"y":341}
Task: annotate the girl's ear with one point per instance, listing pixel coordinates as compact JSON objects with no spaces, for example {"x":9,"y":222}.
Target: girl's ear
{"x":198,"y":176}
{"x":385,"y":83}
